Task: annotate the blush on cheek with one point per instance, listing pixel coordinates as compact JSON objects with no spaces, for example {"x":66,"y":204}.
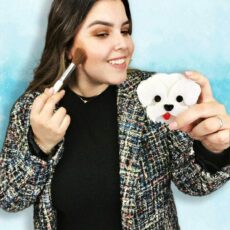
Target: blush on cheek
{"x":79,"y":56}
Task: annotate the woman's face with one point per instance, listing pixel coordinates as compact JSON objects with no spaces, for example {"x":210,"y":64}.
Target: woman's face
{"x":104,"y":36}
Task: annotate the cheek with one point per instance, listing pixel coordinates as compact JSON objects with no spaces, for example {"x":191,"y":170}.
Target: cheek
{"x":96,"y":55}
{"x":131,"y":47}
{"x":93,"y":61}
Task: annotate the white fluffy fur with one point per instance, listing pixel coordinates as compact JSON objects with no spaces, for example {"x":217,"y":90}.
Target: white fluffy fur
{"x":168,"y":87}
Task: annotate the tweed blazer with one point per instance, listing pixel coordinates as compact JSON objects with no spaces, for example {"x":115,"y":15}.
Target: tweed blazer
{"x":151,"y":157}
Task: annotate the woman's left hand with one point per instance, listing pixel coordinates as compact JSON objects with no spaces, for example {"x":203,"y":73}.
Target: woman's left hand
{"x":206,"y":121}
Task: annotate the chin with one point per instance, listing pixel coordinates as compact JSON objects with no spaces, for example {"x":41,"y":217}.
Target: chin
{"x":116,"y":80}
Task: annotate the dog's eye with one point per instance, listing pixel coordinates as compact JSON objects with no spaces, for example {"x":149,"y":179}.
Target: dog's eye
{"x":179,"y":98}
{"x":157,"y":98}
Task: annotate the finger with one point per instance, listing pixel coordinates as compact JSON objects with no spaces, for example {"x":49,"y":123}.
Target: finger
{"x":39,"y":102}
{"x":219,"y":141}
{"x":209,"y":126}
{"x":206,"y":91}
{"x":58,"y":117}
{"x":196,"y":112}
{"x":189,"y":128}
{"x":50,"y":104}
{"x":65,"y":124}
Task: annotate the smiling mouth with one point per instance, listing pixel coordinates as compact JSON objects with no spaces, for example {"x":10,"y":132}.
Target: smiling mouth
{"x":167,"y":116}
{"x":118,"y":63}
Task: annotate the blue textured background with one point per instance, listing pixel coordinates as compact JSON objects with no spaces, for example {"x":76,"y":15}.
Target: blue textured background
{"x":170,"y":36}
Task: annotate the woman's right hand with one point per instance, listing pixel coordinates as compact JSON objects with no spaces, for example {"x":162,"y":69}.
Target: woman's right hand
{"x":49,"y":126}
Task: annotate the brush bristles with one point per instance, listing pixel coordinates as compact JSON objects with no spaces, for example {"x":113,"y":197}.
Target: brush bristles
{"x":79,"y":57}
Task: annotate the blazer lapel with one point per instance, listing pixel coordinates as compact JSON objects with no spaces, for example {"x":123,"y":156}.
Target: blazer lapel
{"x":129,"y":136}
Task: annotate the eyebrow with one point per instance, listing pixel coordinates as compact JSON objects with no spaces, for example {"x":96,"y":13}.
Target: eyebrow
{"x":104,"y":23}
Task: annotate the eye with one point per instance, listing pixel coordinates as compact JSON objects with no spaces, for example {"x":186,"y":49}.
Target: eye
{"x":157,"y":98}
{"x":102,"y":35}
{"x":125,"y":32}
{"x":179,"y":98}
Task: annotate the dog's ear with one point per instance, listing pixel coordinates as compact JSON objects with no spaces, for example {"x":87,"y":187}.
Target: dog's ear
{"x":186,"y":88}
{"x":148,"y":89}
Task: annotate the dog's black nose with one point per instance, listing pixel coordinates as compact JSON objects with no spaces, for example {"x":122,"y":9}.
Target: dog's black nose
{"x":168,"y":107}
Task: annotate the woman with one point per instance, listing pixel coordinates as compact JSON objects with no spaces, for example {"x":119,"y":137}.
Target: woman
{"x":88,"y":157}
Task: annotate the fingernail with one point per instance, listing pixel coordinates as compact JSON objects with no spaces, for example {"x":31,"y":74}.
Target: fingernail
{"x":173,"y":125}
{"x":188,"y":73}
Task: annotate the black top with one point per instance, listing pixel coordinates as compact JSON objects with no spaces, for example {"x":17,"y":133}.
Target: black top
{"x":85,"y":187}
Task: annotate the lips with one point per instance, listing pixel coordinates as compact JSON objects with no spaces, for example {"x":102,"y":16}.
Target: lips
{"x":166,"y":116}
{"x":117,"y":58}
{"x":118,"y":63}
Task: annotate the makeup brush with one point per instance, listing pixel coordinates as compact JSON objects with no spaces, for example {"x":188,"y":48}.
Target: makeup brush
{"x":79,"y":58}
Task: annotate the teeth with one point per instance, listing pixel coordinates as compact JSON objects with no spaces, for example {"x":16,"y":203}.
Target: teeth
{"x":117,"y":62}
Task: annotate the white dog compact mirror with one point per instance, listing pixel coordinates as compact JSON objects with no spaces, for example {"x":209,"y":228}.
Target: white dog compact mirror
{"x":166,"y":95}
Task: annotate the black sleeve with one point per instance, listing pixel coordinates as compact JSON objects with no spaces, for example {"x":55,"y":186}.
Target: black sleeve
{"x":210,"y":161}
{"x":34,"y":148}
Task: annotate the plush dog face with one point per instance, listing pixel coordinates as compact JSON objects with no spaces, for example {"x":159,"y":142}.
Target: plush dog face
{"x":167,"y":95}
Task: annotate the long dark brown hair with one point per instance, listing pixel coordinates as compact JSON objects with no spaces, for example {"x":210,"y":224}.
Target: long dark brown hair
{"x":64,"y":20}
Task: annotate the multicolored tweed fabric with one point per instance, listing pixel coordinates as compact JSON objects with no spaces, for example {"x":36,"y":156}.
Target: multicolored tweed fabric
{"x":151,"y":157}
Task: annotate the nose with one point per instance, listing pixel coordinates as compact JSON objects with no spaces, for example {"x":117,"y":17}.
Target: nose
{"x":168,"y":107}
{"x":120,"y":42}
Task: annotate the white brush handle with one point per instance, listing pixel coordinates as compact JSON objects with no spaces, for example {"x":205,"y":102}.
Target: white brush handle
{"x":57,"y":86}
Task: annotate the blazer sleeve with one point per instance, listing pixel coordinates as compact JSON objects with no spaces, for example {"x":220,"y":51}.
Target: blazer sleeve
{"x":22,"y":175}
{"x":187,"y":174}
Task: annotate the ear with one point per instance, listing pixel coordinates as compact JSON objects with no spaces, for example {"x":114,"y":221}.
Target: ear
{"x":188,"y":89}
{"x":150,"y":88}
